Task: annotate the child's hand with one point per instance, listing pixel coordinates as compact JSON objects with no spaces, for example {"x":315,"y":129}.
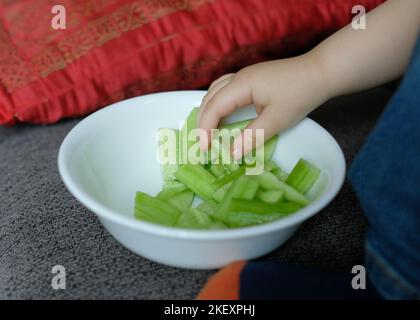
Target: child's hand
{"x":283,"y":92}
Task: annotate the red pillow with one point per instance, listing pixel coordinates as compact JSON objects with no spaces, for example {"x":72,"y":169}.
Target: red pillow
{"x":115,"y":49}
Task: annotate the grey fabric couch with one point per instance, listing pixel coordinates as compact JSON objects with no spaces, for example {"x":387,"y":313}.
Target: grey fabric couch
{"x":42,"y":225}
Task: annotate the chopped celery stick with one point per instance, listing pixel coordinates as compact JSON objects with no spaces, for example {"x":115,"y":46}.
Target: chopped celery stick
{"x":231,"y":167}
{"x":280,"y":173}
{"x":217,"y":170}
{"x":168,"y":171}
{"x":229,"y":177}
{"x":227,"y":160}
{"x":194,"y":219}
{"x":250,"y":189}
{"x":182,"y":200}
{"x":220,"y":193}
{"x":260,"y":207}
{"x":168,"y":145}
{"x":154,"y":210}
{"x":185,"y":141}
{"x":236,"y":125}
{"x":218,"y":225}
{"x":197,"y":179}
{"x":174,"y":185}
{"x":270,"y":165}
{"x":270,"y":147}
{"x":245,"y":219}
{"x":208,"y":207}
{"x":220,"y":152}
{"x":168,"y":156}
{"x":236,"y":190}
{"x":269,"y":181}
{"x":303,"y":176}
{"x":270,"y":196}
{"x":166,"y":194}
{"x":260,"y":156}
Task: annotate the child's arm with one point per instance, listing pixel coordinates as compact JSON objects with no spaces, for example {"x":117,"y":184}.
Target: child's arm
{"x":354,"y":60}
{"x":285,"y":91}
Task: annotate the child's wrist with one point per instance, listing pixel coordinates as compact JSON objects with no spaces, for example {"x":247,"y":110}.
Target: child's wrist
{"x":325,"y":87}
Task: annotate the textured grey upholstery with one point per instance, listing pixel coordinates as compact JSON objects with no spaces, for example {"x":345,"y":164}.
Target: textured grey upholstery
{"x":42,"y":225}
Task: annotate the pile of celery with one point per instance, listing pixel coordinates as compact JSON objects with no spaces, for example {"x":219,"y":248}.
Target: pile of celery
{"x":230,"y":197}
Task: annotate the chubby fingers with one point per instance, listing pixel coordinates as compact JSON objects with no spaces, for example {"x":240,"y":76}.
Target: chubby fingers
{"x":213,"y":89}
{"x":224,"y":97}
{"x":272,"y":120}
{"x":265,"y":121}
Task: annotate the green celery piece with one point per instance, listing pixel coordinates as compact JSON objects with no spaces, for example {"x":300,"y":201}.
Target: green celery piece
{"x":186,"y":144}
{"x":246,"y":219}
{"x":231,"y":127}
{"x":220,"y":193}
{"x":268,"y":181}
{"x":218,"y":170}
{"x":236,"y":125}
{"x":249,"y":189}
{"x":270,"y":196}
{"x":303,"y":176}
{"x":226,"y":154}
{"x":166,"y":194}
{"x":197,"y":179}
{"x":220,"y":182}
{"x":218,"y":225}
{"x":221,"y":153}
{"x":174,"y":186}
{"x":263,"y":157}
{"x":168,"y":152}
{"x":168,"y":171}
{"x":269,"y":147}
{"x":193,"y":218}
{"x":260,"y":207}
{"x":182,"y":200}
{"x":231,"y":167}
{"x":151,"y":209}
{"x":270,"y":165}
{"x":280,"y":174}
{"x":236,"y":190}
{"x":208,"y":207}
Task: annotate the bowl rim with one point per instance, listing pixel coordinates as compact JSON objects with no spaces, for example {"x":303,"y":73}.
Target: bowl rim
{"x":171,"y":232}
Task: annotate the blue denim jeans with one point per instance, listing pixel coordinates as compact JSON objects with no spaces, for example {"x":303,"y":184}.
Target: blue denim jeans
{"x":386,"y":178}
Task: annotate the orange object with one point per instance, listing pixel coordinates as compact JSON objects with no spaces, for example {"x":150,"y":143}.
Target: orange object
{"x":224,"y":285}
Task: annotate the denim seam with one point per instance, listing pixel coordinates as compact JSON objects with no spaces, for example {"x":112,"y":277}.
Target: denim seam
{"x":388,"y":271}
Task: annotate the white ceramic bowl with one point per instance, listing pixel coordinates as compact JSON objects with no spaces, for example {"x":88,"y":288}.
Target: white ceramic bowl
{"x":111,"y":154}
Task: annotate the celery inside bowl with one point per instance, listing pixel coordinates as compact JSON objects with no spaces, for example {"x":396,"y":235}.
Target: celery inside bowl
{"x":112,"y":154}
{"x":234,"y":194}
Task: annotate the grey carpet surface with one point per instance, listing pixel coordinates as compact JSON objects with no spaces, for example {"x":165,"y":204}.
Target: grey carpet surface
{"x":42,"y":225}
